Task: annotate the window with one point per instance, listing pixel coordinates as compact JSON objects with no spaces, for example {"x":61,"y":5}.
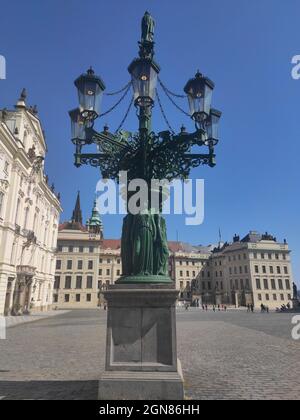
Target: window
{"x":100,"y":260}
{"x":273,"y":284}
{"x":188,"y":274}
{"x":242,"y":284}
{"x":278,"y":270}
{"x":262,"y":256}
{"x":246,"y":269}
{"x":80,"y":249}
{"x":288,"y":284}
{"x":256,"y":269}
{"x":89,"y":282}
{"x":100,"y":271}
{"x":78,"y":282}
{"x":108,"y":272}
{"x":221,"y":273}
{"x":236,"y":284}
{"x":57,"y":282}
{"x":91,"y":249}
{"x":180,"y":262}
{"x":280,"y":284}
{"x":209,"y":285}
{"x":69,"y":265}
{"x":289,"y":297}
{"x":80,"y":264}
{"x":99,"y":284}
{"x":245,"y":256}
{"x":266,"y":284}
{"x":118,"y":261}
{"x":258,"y":284}
{"x":203,"y":285}
{"x":267,"y":297}
{"x":230,"y":270}
{"x":68,"y":280}
{"x":58,"y":264}
{"x":216,"y":274}
{"x":284,"y":256}
{"x":90,"y":265}
{"x":241,"y":270}
{"x":71,"y":248}
{"x":1,"y":201}
{"x":282,"y":297}
{"x":264,"y":269}
{"x":60,"y":248}
{"x":88,"y":297}
{"x":55,"y":298}
{"x":118,"y":272}
{"x":255,"y":255}
{"x":259,"y":297}
{"x":274,"y":296}
{"x":270,"y":256}
{"x":247,"y":284}
{"x":108,"y":261}
{"x":271,"y":269}
{"x":67,"y":298}
{"x":78,"y":298}
{"x":286,"y":271}
{"x":181,"y":273}
{"x":277,"y":256}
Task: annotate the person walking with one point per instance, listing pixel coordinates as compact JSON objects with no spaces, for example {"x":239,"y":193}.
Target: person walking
{"x":252,"y":307}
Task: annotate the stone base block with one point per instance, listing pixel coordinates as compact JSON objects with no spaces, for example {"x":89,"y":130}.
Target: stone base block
{"x":141,"y":386}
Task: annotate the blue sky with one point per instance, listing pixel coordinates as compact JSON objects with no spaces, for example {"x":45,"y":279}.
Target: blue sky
{"x":244,"y":46}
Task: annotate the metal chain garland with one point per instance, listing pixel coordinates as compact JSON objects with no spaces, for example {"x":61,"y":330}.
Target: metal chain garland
{"x":126,"y":115}
{"x":118,"y":91}
{"x":163,"y":113}
{"x":169,"y":91}
{"x":118,"y":103}
{"x":173,"y":102}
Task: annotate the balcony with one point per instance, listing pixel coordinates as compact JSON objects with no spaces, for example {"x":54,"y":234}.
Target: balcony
{"x":26,"y":270}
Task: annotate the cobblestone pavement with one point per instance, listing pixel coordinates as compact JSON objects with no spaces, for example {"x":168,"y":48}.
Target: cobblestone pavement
{"x":231,"y":355}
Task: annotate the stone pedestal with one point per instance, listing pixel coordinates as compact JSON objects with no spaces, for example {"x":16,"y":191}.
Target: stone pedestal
{"x":296,"y":304}
{"x":141,"y":352}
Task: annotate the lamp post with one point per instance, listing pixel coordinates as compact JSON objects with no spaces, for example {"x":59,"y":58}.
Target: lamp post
{"x":141,"y":306}
{"x":145,"y":154}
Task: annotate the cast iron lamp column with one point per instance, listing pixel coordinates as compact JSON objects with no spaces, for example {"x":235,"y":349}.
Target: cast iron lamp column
{"x":145,"y":155}
{"x":141,"y":352}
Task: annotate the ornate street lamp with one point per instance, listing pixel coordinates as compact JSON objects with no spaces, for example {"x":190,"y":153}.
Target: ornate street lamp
{"x":199,"y":91}
{"x":145,"y":291}
{"x":90,"y":90}
{"x":145,"y":155}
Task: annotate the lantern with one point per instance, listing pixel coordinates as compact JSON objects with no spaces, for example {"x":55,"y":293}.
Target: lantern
{"x":90,"y":91}
{"x":212,"y":127}
{"x":199,"y":91}
{"x":77,"y":125}
{"x":144,"y":79}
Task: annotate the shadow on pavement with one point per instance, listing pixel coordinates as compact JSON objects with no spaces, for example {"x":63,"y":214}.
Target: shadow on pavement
{"x":48,"y":390}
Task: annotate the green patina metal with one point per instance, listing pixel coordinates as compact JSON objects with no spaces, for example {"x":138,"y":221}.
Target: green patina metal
{"x":144,"y":155}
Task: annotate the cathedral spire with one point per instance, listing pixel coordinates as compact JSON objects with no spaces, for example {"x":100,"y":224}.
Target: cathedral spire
{"x":77,"y":213}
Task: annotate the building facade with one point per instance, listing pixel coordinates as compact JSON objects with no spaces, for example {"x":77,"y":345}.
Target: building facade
{"x":77,"y":262}
{"x":254,"y":270}
{"x":29,"y":214}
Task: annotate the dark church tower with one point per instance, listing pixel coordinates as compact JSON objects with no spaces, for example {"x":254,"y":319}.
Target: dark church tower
{"x":77,"y":213}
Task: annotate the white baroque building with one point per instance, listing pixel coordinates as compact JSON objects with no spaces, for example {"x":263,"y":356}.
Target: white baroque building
{"x":29,"y":214}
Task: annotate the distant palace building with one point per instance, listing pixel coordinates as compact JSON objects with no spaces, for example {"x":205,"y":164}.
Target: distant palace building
{"x":255,"y":269}
{"x":29,"y":214}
